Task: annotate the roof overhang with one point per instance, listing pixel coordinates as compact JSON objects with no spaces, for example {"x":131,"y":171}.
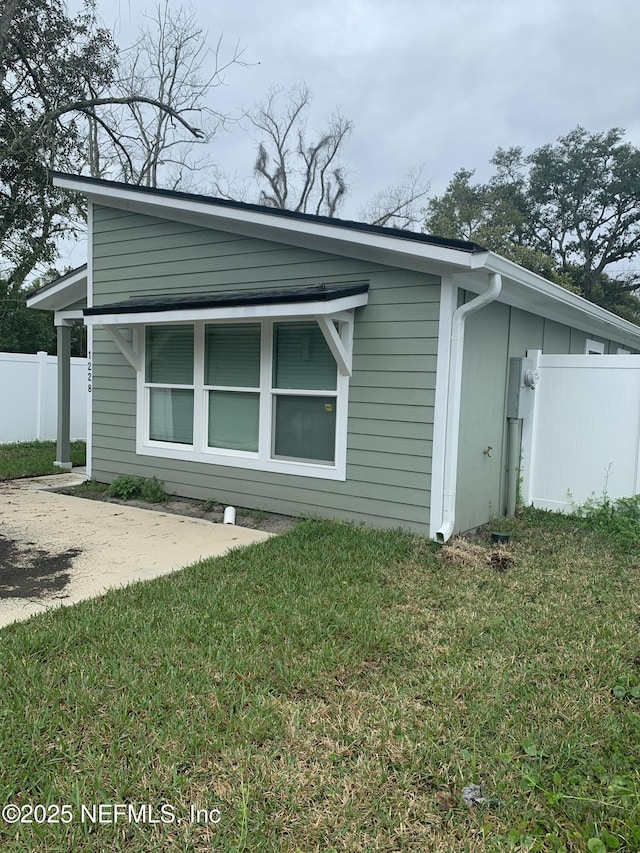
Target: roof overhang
{"x":59,"y":294}
{"x":537,"y":295}
{"x":466,"y":263}
{"x":436,"y":256}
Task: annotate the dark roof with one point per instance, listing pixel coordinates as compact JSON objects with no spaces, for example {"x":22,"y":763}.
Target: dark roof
{"x":460,"y":245}
{"x":315,"y":293}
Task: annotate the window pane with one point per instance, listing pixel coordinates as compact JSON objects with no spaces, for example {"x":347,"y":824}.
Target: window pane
{"x":169,"y":354}
{"x":171,"y":415}
{"x":302,"y":358}
{"x":232,"y":355}
{"x":233,"y":420}
{"x":305,"y":427}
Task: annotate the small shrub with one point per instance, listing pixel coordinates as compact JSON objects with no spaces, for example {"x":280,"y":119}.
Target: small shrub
{"x":125,"y":487}
{"x":152,"y":491}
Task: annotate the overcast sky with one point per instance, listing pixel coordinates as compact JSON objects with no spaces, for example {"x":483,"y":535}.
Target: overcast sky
{"x":436,"y":82}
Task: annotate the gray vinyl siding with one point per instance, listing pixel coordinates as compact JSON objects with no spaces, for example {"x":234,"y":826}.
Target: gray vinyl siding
{"x":392,"y":389}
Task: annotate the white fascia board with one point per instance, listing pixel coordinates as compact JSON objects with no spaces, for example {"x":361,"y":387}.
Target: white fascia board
{"x":335,"y":238}
{"x":284,"y":311}
{"x":71,"y":288}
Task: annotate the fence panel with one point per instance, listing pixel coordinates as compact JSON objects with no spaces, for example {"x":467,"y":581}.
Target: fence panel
{"x":29,"y":393}
{"x":585,"y":432}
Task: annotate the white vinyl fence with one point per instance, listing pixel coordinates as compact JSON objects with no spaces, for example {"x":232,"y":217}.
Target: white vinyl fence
{"x":583,"y":439}
{"x":29,"y":397}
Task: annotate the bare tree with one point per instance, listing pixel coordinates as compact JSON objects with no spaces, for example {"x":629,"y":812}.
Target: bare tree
{"x":397,"y":206}
{"x":303,"y":173}
{"x":300,"y":173}
{"x":171,"y":64}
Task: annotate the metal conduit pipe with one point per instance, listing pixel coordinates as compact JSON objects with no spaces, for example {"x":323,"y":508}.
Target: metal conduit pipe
{"x":513,"y":464}
{"x":454,"y":396}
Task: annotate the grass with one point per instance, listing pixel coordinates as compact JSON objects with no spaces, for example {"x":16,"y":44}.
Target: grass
{"x":34,"y":458}
{"x":336,"y":689}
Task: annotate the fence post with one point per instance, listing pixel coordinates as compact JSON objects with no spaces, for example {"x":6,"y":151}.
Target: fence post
{"x":63,"y":457}
{"x":41,"y":390}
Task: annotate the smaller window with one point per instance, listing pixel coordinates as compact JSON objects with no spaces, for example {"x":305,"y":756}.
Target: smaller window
{"x":593,"y":347}
{"x":169,"y":383}
{"x":304,"y":393}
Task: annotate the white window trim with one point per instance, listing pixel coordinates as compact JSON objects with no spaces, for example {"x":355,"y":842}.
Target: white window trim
{"x":593,"y":347}
{"x":261,"y":461}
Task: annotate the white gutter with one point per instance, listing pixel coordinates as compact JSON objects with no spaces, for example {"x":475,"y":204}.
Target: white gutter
{"x":453,"y":402}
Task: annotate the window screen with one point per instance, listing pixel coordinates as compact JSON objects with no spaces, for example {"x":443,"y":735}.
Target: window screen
{"x":302,"y":359}
{"x":232,"y":355}
{"x":169,"y":355}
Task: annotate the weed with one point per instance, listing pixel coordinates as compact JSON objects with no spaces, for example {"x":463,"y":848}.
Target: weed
{"x":618,"y":519}
{"x":125,"y":487}
{"x":152,"y":491}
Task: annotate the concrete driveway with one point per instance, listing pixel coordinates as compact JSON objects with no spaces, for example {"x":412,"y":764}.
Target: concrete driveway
{"x":58,"y":549}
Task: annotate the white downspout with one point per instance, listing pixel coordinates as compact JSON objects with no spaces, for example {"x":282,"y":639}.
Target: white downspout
{"x":453,"y":402}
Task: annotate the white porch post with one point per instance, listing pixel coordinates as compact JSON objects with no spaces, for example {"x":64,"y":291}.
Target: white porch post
{"x":63,"y":449}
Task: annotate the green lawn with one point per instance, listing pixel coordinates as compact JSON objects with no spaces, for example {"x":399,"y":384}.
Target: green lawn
{"x":34,"y":458}
{"x":336,"y":689}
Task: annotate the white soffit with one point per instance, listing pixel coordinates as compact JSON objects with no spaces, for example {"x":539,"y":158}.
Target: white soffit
{"x":533,"y":293}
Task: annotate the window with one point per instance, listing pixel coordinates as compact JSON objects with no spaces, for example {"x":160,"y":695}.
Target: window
{"x":264,"y":394}
{"x":169,"y":375}
{"x":593,"y":347}
{"x":304,"y":393}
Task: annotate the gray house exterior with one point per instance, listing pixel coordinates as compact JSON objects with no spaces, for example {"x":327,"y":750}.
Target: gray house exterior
{"x":302,"y":365}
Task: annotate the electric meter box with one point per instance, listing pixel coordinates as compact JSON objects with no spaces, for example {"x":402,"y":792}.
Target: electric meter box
{"x":521,"y":388}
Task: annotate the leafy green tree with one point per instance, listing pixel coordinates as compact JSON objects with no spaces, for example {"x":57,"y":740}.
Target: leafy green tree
{"x":585,"y":196}
{"x":496,"y":214}
{"x":24,"y":330}
{"x":45,"y":58}
{"x":56,"y":75}
{"x":568,"y":211}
